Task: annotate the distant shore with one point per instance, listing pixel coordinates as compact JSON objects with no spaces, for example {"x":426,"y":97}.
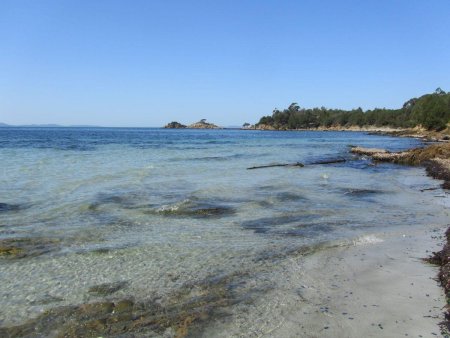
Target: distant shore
{"x":417,"y":132}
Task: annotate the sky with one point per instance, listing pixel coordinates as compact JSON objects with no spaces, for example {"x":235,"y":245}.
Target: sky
{"x":145,"y":63}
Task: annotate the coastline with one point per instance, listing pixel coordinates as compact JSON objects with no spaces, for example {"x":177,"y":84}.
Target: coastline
{"x":342,"y":271}
{"x":436,"y":160}
{"x":417,"y":132}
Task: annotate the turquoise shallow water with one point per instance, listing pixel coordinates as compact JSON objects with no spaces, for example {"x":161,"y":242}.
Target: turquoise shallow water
{"x":158,"y":211}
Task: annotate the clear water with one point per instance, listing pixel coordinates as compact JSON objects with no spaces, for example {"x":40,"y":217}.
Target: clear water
{"x":162,"y":210}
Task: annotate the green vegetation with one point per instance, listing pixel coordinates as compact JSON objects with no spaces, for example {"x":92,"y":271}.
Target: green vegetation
{"x":431,"y":111}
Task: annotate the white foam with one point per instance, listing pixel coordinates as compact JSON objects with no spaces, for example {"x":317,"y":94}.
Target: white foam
{"x":367,"y":239}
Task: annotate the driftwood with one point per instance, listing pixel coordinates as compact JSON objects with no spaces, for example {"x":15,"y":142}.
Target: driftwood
{"x":428,"y":189}
{"x":336,"y":160}
{"x":298,"y":164}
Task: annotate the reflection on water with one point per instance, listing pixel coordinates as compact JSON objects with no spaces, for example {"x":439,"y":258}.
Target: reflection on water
{"x":170,"y":227}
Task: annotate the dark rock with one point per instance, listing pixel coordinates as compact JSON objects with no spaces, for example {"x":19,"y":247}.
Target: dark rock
{"x":197,"y":210}
{"x":174,"y":125}
{"x":107,"y":288}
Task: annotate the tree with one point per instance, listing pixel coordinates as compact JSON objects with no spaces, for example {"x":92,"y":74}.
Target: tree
{"x":439,"y":91}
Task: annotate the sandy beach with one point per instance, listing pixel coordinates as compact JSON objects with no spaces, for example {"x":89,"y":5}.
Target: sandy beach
{"x":379,"y":287}
{"x":376,"y":287}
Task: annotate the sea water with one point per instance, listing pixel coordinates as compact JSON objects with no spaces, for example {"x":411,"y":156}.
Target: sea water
{"x":156,"y":213}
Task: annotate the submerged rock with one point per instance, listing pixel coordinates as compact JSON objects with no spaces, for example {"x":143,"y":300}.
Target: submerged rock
{"x":4,"y":207}
{"x":15,"y":248}
{"x":181,"y":315}
{"x":107,"y":288}
{"x":47,"y":299}
{"x":197,"y":211}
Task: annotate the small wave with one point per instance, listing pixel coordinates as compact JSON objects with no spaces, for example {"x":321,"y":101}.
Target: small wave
{"x":171,"y":208}
{"x":367,"y":239}
{"x":196,"y":209}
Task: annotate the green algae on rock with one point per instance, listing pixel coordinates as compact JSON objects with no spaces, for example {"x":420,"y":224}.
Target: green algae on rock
{"x":24,"y":247}
{"x":179,"y":315}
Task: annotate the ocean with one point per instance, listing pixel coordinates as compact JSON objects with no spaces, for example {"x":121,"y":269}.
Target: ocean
{"x":173,"y":222}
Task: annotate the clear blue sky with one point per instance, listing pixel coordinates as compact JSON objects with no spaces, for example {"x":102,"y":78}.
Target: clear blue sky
{"x":146,"y":63}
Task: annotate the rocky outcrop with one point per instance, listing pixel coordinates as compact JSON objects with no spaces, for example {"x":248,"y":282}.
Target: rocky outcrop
{"x":202,"y":124}
{"x":174,"y":125}
{"x":435,"y":158}
{"x":262,"y":126}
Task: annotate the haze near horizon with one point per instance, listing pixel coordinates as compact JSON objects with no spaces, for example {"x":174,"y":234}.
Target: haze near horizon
{"x":146,"y":63}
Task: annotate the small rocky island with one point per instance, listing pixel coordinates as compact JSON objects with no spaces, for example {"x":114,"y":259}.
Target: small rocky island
{"x":202,"y":124}
{"x":174,"y":125}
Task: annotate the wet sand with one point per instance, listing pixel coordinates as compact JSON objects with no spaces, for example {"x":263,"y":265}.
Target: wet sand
{"x":378,"y":289}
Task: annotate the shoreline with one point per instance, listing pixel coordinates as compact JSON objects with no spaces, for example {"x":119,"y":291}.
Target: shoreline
{"x":376,"y":287}
{"x":436,"y":160}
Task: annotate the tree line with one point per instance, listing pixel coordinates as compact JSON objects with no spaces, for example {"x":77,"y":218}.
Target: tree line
{"x":431,"y":111}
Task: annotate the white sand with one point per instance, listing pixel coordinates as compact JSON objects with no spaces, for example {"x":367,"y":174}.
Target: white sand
{"x":370,"y":289}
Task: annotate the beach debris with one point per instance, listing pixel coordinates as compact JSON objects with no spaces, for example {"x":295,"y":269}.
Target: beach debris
{"x":330,"y":161}
{"x":442,"y":259}
{"x":297,"y":164}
